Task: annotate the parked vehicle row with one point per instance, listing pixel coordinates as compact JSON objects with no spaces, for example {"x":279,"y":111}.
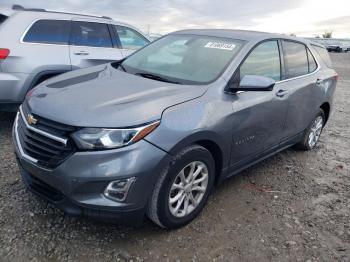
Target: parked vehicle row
{"x":338,"y":48}
{"x":37,"y":44}
{"x":337,"y":45}
{"x":153,"y":133}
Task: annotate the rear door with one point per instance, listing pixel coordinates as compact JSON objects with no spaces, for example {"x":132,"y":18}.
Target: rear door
{"x":43,"y":47}
{"x":300,"y":79}
{"x":91,"y":44}
{"x":129,"y":39}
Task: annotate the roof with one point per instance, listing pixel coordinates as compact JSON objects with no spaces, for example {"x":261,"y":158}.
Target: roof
{"x":245,"y":35}
{"x":42,"y":13}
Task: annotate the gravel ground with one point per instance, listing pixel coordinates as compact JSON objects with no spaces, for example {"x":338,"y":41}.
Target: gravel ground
{"x":305,"y":218}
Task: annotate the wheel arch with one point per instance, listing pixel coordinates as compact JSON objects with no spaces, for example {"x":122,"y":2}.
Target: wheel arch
{"x":217,"y":154}
{"x":326,"y":107}
{"x":214,"y":144}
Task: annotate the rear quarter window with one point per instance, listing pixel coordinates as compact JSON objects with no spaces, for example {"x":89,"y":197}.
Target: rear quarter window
{"x":130,"y":39}
{"x":323,"y":53}
{"x":49,"y":32}
{"x":312,"y":61}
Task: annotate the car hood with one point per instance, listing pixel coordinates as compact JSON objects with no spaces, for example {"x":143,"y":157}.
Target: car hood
{"x":103,"y":96}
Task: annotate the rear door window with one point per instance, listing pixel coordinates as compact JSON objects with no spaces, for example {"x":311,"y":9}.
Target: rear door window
{"x":129,"y":38}
{"x":91,"y":34}
{"x":49,"y":32}
{"x":296,"y":60}
{"x":264,"y":60}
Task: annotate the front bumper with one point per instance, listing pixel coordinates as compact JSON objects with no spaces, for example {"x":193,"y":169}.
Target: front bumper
{"x":72,"y":208}
{"x":76,"y":186}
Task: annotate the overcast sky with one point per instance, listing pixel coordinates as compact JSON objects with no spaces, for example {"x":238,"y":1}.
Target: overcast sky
{"x":301,"y":17}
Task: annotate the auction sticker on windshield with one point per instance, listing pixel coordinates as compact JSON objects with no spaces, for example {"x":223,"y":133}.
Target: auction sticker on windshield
{"x":220,"y":45}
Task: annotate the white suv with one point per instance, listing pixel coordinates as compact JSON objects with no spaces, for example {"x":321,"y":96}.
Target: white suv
{"x":37,"y":44}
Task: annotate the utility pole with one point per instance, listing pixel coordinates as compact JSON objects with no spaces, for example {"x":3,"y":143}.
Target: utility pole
{"x":148,"y":30}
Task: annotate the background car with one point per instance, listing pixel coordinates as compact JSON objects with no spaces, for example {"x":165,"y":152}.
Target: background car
{"x":338,"y":45}
{"x":37,"y":44}
{"x":334,"y":48}
{"x":346,"y":48}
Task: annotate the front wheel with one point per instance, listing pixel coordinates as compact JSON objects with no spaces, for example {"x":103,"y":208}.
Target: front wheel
{"x":313,"y":132}
{"x":183,"y":188}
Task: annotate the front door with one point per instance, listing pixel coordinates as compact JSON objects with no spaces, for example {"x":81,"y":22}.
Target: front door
{"x":259,"y":116}
{"x":91,"y":44}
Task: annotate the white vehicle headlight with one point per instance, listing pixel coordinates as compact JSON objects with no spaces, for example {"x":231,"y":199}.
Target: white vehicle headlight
{"x":105,"y":138}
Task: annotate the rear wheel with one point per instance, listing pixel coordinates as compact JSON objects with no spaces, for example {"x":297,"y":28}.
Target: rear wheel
{"x":183,"y":188}
{"x":313,"y":133}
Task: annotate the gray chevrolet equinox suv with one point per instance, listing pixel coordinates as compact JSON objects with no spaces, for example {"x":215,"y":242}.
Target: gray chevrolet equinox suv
{"x":37,"y":44}
{"x":154,"y":133}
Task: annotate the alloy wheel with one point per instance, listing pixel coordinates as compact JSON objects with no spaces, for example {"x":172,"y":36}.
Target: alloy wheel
{"x":315,"y":131}
{"x":188,"y":189}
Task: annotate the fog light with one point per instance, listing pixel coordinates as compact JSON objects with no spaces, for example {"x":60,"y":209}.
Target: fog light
{"x":118,"y":190}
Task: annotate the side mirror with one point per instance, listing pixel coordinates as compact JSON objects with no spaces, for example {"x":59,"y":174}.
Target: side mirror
{"x":255,"y":83}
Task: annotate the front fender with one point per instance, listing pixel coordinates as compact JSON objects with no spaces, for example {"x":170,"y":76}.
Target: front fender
{"x":193,"y":122}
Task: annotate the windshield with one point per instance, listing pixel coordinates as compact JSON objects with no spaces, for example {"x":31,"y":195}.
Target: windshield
{"x":183,"y":59}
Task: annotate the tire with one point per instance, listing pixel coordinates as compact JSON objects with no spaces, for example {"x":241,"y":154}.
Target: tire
{"x":164,"y":214}
{"x":307,"y":143}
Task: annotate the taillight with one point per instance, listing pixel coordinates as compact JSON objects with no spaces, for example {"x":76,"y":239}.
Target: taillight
{"x":336,"y":77}
{"x":4,"y":53}
{"x":29,"y":94}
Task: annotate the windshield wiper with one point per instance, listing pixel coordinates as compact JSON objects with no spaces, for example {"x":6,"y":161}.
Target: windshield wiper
{"x":157,"y":77}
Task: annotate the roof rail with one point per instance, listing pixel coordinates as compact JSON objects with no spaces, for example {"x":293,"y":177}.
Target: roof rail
{"x":21,"y":8}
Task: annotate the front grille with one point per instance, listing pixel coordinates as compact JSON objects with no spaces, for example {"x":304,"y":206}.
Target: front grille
{"x":44,"y":147}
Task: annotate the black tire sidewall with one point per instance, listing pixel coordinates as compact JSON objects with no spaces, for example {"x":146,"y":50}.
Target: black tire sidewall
{"x":195,"y":154}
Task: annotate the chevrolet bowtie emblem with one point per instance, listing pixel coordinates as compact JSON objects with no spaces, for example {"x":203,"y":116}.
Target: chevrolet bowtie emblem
{"x":31,"y":120}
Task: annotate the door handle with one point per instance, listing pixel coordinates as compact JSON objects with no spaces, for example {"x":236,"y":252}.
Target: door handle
{"x":81,"y":53}
{"x":281,"y":93}
{"x":319,"y":81}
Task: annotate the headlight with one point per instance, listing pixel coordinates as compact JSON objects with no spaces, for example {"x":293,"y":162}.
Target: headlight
{"x":104,"y":138}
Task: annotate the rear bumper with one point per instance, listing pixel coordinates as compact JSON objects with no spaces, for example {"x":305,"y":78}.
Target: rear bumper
{"x":13,"y":87}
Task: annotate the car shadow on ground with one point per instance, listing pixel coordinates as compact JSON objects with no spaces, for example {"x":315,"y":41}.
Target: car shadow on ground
{"x":6,"y":119}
